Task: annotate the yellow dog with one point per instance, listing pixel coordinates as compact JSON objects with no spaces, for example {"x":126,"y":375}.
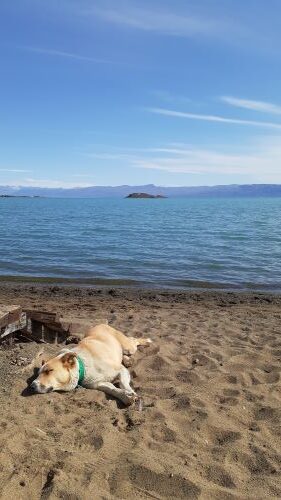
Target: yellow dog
{"x":95,"y":363}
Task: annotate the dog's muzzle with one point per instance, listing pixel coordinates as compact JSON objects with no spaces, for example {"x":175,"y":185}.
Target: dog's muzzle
{"x":39,"y":388}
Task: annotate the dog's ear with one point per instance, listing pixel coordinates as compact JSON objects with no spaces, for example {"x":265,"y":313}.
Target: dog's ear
{"x":43,"y":362}
{"x":68,"y":359}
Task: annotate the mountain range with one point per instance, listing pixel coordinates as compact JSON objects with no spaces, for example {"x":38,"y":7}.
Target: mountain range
{"x":233,"y":190}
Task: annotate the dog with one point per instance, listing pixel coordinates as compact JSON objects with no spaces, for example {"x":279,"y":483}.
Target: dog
{"x":96,"y":363}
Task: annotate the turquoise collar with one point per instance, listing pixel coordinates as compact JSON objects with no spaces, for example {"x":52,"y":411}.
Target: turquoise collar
{"x":81,"y":371}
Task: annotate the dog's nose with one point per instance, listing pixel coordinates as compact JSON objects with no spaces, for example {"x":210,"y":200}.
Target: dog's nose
{"x":33,"y":386}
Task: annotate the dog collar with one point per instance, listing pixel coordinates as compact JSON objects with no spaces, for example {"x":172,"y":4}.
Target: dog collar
{"x":81,"y":371}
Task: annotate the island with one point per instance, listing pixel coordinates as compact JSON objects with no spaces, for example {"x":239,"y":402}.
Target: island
{"x":18,"y":196}
{"x":144,"y":195}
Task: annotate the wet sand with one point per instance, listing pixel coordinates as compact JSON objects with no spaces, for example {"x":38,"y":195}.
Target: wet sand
{"x":210,"y":382}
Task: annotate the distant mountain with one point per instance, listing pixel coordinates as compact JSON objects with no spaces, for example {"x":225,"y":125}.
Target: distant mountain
{"x":233,"y":190}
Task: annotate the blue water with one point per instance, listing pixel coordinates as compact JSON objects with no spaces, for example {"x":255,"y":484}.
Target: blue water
{"x":184,"y":243}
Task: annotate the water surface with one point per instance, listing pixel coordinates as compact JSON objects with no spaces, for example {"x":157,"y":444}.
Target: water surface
{"x":181,"y":242}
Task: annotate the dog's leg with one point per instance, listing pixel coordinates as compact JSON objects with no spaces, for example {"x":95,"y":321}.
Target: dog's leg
{"x":129,"y":344}
{"x":132,"y":344}
{"x":125,"y":380}
{"x":127,"y":397}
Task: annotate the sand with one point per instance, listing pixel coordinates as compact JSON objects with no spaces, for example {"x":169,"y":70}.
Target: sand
{"x":210,"y":425}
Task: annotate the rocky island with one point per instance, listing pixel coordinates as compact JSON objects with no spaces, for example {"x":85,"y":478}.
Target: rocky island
{"x":17,"y":196}
{"x":144,"y":195}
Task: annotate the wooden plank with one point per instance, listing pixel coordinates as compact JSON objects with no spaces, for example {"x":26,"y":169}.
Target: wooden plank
{"x":54,"y":336}
{"x":9,"y":314}
{"x":56,"y":326}
{"x":41,"y":316}
{"x":50,"y":332}
{"x":38,"y":325}
{"x":13,"y":327}
{"x":36,"y":328}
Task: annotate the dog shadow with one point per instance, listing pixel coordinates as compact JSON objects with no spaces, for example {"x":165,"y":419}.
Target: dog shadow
{"x":27,"y":391}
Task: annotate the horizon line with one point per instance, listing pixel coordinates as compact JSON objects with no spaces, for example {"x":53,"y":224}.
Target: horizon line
{"x":22,"y":186}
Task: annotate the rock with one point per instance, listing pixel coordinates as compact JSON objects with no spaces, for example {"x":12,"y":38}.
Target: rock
{"x":195,"y":361}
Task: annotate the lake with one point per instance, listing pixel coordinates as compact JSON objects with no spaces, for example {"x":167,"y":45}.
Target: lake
{"x":228,"y":243}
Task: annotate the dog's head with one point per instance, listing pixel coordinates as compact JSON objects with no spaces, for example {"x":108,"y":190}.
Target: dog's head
{"x":57,"y":374}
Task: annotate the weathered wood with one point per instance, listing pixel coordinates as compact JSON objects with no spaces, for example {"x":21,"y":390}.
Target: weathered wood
{"x":41,"y":316}
{"x":9,"y":314}
{"x":43,"y":326}
{"x":54,"y":336}
{"x":13,"y":327}
{"x":39,"y":326}
{"x":36,"y":329}
{"x":59,"y":327}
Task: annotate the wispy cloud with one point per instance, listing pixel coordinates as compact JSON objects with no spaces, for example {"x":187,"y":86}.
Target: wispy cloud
{"x":108,"y":156}
{"x":260,"y":160}
{"x":159,"y":21}
{"x":264,"y":107}
{"x":197,"y":161}
{"x":51,"y":183}
{"x":86,"y":176}
{"x":67,"y":55}
{"x":213,"y":118}
{"x":14,"y":170}
{"x":199,"y":19}
{"x":261,"y":163}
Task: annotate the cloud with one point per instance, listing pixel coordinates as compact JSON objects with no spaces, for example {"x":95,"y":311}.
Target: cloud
{"x":198,"y":161}
{"x":108,"y":156}
{"x":201,"y":19}
{"x":15,"y":170}
{"x":67,"y":55}
{"x":263,"y":107}
{"x":88,"y":176}
{"x":50,"y":183}
{"x":228,"y":22}
{"x":161,"y":21}
{"x":260,"y":160}
{"x":213,"y":118}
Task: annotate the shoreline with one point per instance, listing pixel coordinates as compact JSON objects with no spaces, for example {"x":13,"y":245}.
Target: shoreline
{"x":123,"y":284}
{"x":14,"y":290}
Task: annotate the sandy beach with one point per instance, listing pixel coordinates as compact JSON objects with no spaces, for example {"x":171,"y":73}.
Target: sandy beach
{"x":210,"y":383}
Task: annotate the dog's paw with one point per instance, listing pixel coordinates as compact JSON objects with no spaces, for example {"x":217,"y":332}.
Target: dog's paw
{"x":139,"y":404}
{"x":127,"y":361}
{"x":129,"y":398}
{"x":147,"y":341}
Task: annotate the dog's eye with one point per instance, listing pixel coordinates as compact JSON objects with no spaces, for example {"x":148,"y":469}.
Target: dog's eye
{"x":48,"y":370}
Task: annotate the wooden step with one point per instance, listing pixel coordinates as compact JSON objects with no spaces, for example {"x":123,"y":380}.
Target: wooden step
{"x":9,"y":314}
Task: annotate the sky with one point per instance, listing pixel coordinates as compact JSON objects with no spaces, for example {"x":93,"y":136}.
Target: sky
{"x":169,"y":92}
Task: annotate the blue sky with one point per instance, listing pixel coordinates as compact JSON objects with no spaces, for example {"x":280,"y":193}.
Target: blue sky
{"x":107,"y":92}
